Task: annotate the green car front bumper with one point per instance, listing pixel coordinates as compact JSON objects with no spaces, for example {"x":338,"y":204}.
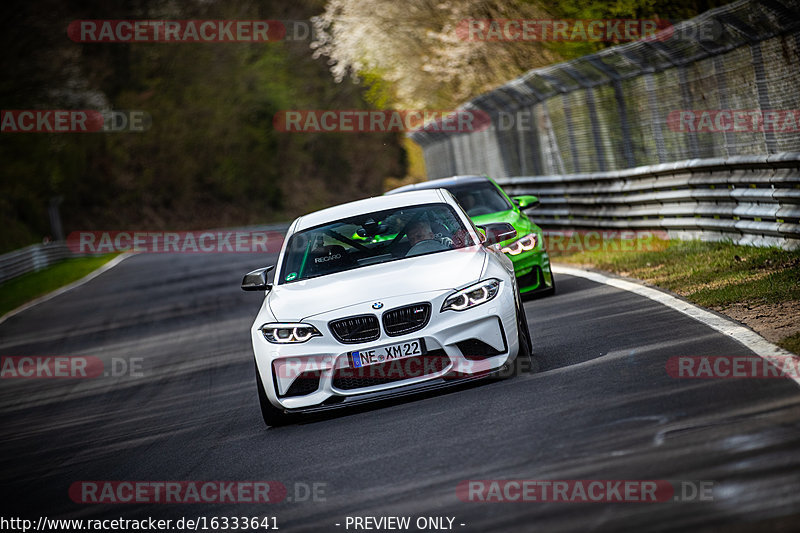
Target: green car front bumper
{"x":533,"y":271}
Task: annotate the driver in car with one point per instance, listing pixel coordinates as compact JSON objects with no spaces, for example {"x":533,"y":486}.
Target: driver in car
{"x":423,"y":240}
{"x":419,"y":231}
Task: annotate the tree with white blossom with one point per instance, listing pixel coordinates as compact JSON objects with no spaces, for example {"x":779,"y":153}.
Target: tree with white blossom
{"x":414,"y":53}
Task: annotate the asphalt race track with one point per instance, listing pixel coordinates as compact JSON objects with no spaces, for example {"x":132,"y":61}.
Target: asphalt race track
{"x":602,"y":407}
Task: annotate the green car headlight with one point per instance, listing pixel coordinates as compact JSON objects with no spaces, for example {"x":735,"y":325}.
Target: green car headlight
{"x":292,"y":333}
{"x":523,"y":244}
{"x":472,"y":296}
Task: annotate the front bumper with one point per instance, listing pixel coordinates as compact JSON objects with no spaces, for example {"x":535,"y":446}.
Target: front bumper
{"x":317,"y":374}
{"x":533,"y":271}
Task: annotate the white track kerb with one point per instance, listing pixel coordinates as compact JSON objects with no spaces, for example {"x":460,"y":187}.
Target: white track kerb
{"x":750,"y":339}
{"x":49,"y":296}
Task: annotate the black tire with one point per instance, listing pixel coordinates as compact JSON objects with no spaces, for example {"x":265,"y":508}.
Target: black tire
{"x":522,"y":325}
{"x":528,"y":362}
{"x":524,"y":362}
{"x":272,"y":416}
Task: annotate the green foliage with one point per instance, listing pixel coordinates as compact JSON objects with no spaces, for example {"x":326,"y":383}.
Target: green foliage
{"x":211,"y":158}
{"x":671,"y":10}
{"x":379,"y":92}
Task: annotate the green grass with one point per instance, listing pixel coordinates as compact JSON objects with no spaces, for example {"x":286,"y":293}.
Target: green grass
{"x":791,"y":343}
{"x":711,"y":274}
{"x":27,"y":287}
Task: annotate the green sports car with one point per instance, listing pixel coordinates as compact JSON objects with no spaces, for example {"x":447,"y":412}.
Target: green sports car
{"x":485,"y":202}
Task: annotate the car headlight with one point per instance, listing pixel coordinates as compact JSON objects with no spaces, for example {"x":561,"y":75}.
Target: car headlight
{"x":523,"y":244}
{"x":472,"y":296}
{"x":294,"y":333}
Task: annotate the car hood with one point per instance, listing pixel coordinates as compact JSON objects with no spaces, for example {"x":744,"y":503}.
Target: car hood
{"x":439,"y":271}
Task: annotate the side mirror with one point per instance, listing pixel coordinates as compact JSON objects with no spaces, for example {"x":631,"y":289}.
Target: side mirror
{"x":526,"y":202}
{"x":498,"y":232}
{"x":257,"y":280}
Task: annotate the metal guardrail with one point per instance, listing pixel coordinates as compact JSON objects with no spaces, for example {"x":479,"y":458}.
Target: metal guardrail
{"x":31,"y":259}
{"x":751,"y":200}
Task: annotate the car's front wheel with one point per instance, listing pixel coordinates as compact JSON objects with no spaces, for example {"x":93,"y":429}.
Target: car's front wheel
{"x":272,"y":415}
{"x":525,"y":361}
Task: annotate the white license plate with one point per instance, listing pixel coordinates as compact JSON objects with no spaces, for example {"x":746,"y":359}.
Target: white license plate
{"x":390,"y":352}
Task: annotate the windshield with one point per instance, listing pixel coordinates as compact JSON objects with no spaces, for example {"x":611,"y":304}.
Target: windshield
{"x":373,"y":238}
{"x":480,"y":199}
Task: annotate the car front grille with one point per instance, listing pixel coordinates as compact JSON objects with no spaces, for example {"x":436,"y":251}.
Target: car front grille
{"x":406,"y":319}
{"x":355,"y":329}
{"x":392,"y":371}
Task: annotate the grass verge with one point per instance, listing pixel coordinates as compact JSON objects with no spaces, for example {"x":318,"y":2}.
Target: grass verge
{"x":23,"y":289}
{"x":791,"y":343}
{"x":757,"y":286}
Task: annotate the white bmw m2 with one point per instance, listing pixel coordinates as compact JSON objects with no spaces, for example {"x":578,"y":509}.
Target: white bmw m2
{"x":383,"y":297}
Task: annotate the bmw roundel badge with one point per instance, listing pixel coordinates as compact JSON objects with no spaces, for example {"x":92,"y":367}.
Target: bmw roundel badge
{"x":377,"y":305}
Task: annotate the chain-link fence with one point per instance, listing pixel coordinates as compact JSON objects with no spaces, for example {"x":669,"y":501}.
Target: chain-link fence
{"x":724,"y":84}
{"x":696,"y":132}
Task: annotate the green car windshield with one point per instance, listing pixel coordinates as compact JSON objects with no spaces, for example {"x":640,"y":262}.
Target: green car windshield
{"x":373,"y":238}
{"x":480,"y":199}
